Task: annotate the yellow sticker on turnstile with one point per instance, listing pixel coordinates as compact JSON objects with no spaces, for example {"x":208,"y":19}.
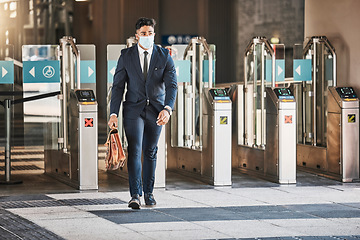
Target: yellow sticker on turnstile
{"x":223,"y":120}
{"x":351,"y":118}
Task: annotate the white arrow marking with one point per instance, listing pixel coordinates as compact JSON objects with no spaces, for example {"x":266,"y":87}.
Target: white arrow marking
{"x":298,"y":70}
{"x":112,"y":71}
{"x":279,"y":70}
{"x":32,"y":72}
{"x":177,"y":71}
{"x":90,"y":71}
{"x":4,"y":72}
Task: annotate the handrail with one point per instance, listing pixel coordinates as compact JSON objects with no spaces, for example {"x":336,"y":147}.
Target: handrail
{"x":77,"y":54}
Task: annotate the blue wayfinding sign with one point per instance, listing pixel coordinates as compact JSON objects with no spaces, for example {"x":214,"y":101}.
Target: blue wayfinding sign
{"x":41,"y":71}
{"x":6,"y":72}
{"x":302,"y":69}
{"x":279,"y":70}
{"x":111,"y":66}
{"x":182,"y":68}
{"x":87,"y":71}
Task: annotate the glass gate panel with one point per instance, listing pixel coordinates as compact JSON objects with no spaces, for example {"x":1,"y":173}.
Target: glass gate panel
{"x":198,"y":60}
{"x":41,"y":74}
{"x":259,"y":56}
{"x":312,"y":95}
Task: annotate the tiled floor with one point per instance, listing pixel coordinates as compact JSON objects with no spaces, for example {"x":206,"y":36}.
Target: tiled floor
{"x":318,"y":212}
{"x":314,"y":208}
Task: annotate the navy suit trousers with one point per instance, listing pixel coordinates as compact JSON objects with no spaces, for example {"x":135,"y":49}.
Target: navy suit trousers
{"x":142,"y":135}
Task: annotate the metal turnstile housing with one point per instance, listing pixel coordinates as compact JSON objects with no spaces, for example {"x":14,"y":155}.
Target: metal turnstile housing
{"x":277,"y":161}
{"x":212,"y":162}
{"x":78,"y":166}
{"x":281,"y":134}
{"x":343,"y":133}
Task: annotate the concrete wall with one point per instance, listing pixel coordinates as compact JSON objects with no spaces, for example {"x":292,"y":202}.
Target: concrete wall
{"x":276,"y":18}
{"x":339,"y":21}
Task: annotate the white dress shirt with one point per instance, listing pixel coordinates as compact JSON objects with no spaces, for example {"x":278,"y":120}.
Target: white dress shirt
{"x":141,"y":56}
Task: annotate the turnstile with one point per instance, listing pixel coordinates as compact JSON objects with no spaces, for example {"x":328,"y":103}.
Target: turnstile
{"x":71,"y":145}
{"x":281,"y":134}
{"x":199,"y":136}
{"x":328,"y":131}
{"x":212,"y":162}
{"x":340,"y":159}
{"x":343,"y":145}
{"x":84,"y":138}
{"x":220,"y":135}
{"x":78,"y":166}
{"x":264,"y":132}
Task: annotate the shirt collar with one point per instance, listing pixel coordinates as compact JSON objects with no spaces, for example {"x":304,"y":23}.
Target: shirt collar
{"x":141,"y":50}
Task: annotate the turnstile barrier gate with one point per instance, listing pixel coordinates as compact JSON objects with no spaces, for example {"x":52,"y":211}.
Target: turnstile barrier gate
{"x":343,"y":111}
{"x":261,"y":145}
{"x":84,"y":138}
{"x":280,"y":153}
{"x":325,"y":145}
{"x":71,"y":147}
{"x":199,"y":145}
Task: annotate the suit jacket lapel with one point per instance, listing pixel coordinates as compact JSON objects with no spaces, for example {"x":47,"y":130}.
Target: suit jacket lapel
{"x":136,"y":62}
{"x":153,"y":61}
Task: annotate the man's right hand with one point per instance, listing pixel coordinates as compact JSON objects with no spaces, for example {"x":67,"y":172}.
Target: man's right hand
{"x":113,"y":122}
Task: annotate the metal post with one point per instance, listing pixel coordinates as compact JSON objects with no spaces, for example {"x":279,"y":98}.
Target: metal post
{"x":245,"y":100}
{"x":201,"y":86}
{"x":303,"y":110}
{"x":262,"y":95}
{"x":7,"y":105}
{"x":63,"y":43}
{"x":315,"y":41}
{"x":193,"y":75}
{"x":254,"y":95}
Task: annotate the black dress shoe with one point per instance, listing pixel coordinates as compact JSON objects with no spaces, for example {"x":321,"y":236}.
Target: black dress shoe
{"x":135,"y":203}
{"x":149,"y":199}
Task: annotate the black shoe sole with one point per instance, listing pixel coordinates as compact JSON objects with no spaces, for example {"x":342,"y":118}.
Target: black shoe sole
{"x":134,"y":205}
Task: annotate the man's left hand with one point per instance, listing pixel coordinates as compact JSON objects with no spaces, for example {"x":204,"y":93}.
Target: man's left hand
{"x":163,"y":118}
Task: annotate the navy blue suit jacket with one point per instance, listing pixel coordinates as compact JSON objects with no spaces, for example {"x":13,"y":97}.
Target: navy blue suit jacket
{"x":159,"y":88}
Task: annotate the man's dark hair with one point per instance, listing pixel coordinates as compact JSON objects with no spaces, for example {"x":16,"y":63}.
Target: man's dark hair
{"x":145,"y":22}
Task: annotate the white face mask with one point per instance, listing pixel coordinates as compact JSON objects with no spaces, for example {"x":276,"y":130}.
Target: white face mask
{"x":146,"y":42}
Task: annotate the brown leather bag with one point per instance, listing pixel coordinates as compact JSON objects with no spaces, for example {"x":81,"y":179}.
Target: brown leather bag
{"x":115,"y":156}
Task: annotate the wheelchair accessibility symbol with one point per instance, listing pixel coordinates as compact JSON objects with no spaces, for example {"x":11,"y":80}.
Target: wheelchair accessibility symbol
{"x":48,"y":71}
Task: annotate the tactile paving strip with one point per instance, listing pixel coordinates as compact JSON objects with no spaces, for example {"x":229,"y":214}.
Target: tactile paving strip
{"x":2,"y":153}
{"x":24,"y":160}
{"x":22,"y":168}
{"x":301,"y":238}
{"x":62,"y":202}
{"x":16,"y":227}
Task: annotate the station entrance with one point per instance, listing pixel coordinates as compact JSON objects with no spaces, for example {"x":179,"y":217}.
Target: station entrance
{"x":265,"y":127}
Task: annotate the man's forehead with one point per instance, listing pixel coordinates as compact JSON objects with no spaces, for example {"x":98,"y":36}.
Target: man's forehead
{"x":146,"y":29}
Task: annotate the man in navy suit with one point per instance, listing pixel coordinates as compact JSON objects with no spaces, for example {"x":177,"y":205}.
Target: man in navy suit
{"x":149,"y":75}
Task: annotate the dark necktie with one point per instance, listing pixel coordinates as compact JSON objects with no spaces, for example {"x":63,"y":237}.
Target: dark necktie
{"x":145,"y":64}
